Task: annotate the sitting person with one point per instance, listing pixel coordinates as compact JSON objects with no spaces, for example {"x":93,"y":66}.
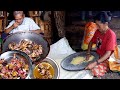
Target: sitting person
{"x":21,"y":24}
{"x":105,"y":40}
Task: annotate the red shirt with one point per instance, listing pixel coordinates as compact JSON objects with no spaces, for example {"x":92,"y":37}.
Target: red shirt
{"x":104,"y":42}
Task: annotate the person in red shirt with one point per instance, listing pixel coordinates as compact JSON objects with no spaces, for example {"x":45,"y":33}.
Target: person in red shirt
{"x":105,"y":40}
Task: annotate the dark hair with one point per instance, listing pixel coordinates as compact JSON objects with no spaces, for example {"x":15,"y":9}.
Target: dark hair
{"x":109,"y":13}
{"x":89,"y":18}
{"x":102,"y":16}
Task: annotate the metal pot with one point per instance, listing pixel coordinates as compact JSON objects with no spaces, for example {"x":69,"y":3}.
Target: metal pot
{"x":10,"y":54}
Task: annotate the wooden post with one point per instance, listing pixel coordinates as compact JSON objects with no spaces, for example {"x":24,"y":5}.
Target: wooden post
{"x":1,"y":25}
{"x":60,"y":22}
{"x":44,"y":25}
{"x":5,"y":19}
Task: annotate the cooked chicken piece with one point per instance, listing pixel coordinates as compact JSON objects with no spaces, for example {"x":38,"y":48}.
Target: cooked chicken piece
{"x":7,"y":66}
{"x":16,"y":47}
{"x":42,"y":72}
{"x":23,"y":76}
{"x":14,"y":73}
{"x":40,"y":66}
{"x":19,"y":65}
{"x":4,"y":70}
{"x":35,"y":46}
{"x":44,"y":77}
{"x":10,"y":76}
{"x":40,"y":46}
{"x":29,"y":45}
{"x":4,"y":63}
{"x":5,"y":76}
{"x":15,"y":68}
{"x":30,"y":42}
{"x":15,"y":77}
{"x":26,"y":67}
{"x":48,"y":72}
{"x":10,"y":66}
{"x":26,"y":50}
{"x":33,"y":54}
{"x":1,"y":66}
{"x":47,"y":67}
{"x":12,"y":45}
{"x":50,"y":76}
{"x":23,"y":44}
{"x":1,"y":61}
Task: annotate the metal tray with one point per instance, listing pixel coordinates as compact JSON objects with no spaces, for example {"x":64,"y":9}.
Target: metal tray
{"x":65,"y":64}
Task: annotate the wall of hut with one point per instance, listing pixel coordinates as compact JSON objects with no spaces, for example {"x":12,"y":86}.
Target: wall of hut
{"x":53,"y":24}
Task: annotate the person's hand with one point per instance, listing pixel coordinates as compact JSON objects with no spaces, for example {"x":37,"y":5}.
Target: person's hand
{"x":15,"y":25}
{"x":87,"y":57}
{"x":91,"y":65}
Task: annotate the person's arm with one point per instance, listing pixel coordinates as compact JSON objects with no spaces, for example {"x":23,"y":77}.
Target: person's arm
{"x":93,"y":40}
{"x":34,"y":27}
{"x":103,"y":58}
{"x":88,"y":51}
{"x":89,"y":47}
{"x":38,"y":31}
{"x":11,"y":27}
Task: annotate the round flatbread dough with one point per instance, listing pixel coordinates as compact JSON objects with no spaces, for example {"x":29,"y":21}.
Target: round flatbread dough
{"x":80,"y":59}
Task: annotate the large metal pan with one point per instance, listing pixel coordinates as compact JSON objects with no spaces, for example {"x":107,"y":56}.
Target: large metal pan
{"x":65,"y":64}
{"x":37,"y":38}
{"x":10,"y":54}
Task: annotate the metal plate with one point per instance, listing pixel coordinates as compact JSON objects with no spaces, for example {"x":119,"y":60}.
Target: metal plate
{"x":53,"y":63}
{"x":37,"y":38}
{"x":65,"y":64}
{"x":9,"y":55}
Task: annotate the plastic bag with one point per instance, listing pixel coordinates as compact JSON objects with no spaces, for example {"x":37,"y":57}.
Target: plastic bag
{"x":90,"y":29}
{"x":60,"y":49}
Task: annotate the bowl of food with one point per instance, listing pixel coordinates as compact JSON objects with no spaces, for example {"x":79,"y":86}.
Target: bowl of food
{"x":46,"y":69}
{"x":15,"y":65}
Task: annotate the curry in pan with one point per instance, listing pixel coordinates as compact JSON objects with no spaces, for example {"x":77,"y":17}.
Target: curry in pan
{"x":43,"y":70}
